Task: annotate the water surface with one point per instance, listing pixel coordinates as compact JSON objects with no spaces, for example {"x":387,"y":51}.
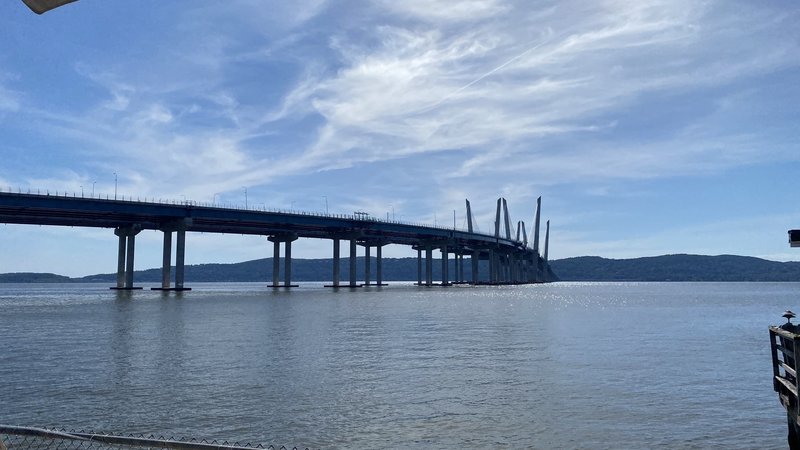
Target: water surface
{"x":565,"y":365}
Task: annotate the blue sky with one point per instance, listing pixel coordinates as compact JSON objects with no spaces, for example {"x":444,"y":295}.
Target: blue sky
{"x":648,"y":127}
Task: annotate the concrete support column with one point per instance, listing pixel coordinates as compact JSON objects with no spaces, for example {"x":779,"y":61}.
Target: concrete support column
{"x":367,"y":264}
{"x":166,"y":261}
{"x":336,"y":261}
{"x":286,"y":239}
{"x":419,"y":266}
{"x":492,"y":267}
{"x":121,"y":262}
{"x":456,"y":268}
{"x":475,"y":260}
{"x":539,"y":271}
{"x":180,"y":256}
{"x":287,"y":264}
{"x":276,"y":263}
{"x":461,"y":268}
{"x":125,"y":256}
{"x":500,"y":267}
{"x":379,"y":264}
{"x":445,"y":266}
{"x":428,"y":266}
{"x":353,"y":263}
{"x":129,"y":261}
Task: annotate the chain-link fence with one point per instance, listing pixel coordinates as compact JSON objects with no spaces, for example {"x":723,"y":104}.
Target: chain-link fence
{"x":27,"y":438}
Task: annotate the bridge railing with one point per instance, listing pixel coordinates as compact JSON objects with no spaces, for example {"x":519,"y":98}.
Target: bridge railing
{"x":259,"y":207}
{"x":29,"y":438}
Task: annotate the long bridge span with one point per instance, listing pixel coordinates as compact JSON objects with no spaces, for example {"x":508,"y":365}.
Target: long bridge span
{"x":511,"y":259}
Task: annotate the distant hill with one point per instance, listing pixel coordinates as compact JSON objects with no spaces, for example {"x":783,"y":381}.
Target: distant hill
{"x":675,"y":268}
{"x":584,"y":268}
{"x":395,"y":269}
{"x":260,"y":270}
{"x":30,"y":277}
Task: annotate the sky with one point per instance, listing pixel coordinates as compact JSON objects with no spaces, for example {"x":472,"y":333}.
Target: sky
{"x":648,"y":127}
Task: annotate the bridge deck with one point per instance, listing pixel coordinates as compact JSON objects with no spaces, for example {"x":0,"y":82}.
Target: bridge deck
{"x":92,"y":212}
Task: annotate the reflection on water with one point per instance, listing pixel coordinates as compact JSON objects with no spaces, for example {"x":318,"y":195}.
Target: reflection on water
{"x":567,"y":365}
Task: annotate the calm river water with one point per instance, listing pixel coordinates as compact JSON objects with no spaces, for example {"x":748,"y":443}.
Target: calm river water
{"x":565,"y":365}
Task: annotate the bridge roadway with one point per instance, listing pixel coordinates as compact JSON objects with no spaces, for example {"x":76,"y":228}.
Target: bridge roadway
{"x":511,"y":260}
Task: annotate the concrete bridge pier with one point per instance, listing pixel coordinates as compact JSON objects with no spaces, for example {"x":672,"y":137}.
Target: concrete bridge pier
{"x":476,"y":254}
{"x":513,"y":268}
{"x":492,"y":276}
{"x":428,"y":265}
{"x":495,"y":264}
{"x":180,"y":253}
{"x":166,"y":264}
{"x":125,"y":256}
{"x":456,"y":272}
{"x":445,"y":266}
{"x":526,"y":270}
{"x":523,"y":269}
{"x":538,"y":271}
{"x":166,"y":261}
{"x":337,"y":263}
{"x":419,"y":266}
{"x":501,"y":268}
{"x":286,"y":239}
{"x":379,"y":263}
{"x":367,"y":265}
{"x":353,"y":256}
{"x":180,"y":256}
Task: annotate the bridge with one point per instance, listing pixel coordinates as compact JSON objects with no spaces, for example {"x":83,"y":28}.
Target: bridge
{"x":511,"y":259}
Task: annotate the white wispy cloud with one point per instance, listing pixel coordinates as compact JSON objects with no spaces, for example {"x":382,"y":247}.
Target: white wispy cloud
{"x":424,"y":90}
{"x":495,"y":82}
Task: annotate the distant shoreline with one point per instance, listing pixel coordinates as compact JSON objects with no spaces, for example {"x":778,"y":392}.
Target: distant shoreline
{"x":663,"y":268}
